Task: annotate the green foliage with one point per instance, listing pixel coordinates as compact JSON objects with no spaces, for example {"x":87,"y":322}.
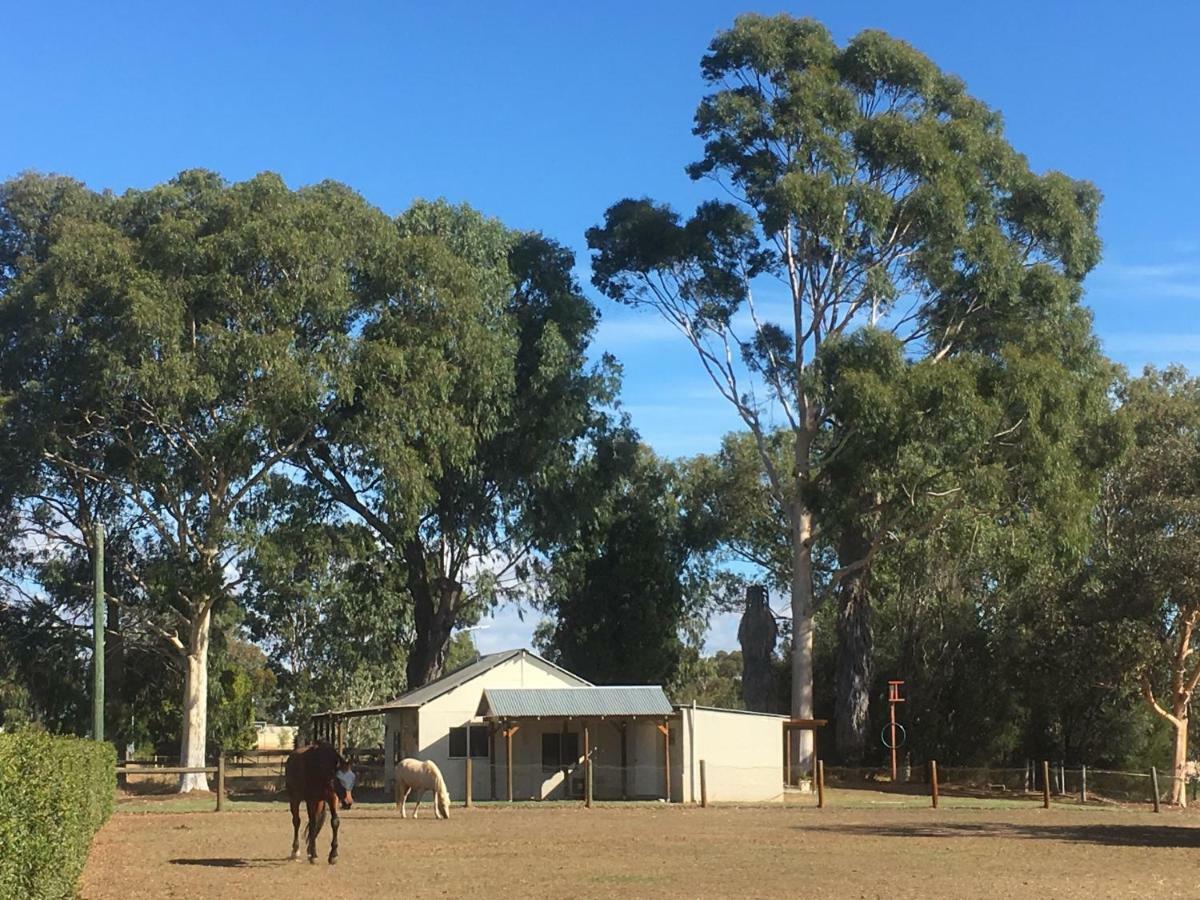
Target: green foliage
{"x":932,"y":361}
{"x":618,"y":589}
{"x":55,"y":792}
{"x":332,"y":614}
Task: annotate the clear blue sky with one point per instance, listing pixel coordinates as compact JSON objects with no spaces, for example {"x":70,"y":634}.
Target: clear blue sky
{"x":543,"y":114}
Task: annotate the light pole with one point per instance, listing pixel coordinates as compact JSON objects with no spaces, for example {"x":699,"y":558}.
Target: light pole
{"x":98,"y":639}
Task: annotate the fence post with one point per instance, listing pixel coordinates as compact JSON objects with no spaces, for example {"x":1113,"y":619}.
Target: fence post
{"x":933,"y":782}
{"x":1083,"y":784}
{"x":1045,"y":784}
{"x":1062,"y":778}
{"x":1154,"y":785}
{"x":820,"y":784}
{"x":703,"y":784}
{"x":220,"y":780}
{"x":470,"y":774}
{"x":587,"y":767}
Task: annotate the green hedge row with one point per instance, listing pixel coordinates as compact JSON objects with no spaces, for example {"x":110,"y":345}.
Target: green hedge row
{"x":55,"y":792}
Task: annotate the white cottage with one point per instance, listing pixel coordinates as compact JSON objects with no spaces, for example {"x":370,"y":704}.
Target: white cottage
{"x":527,"y":726}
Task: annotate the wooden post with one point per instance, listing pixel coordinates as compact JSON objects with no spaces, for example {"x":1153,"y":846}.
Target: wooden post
{"x":787,"y":755}
{"x":624,"y":761}
{"x":470,"y":773}
{"x":1154,"y":785}
{"x":508,"y":736}
{"x":587,"y":766}
{"x":933,"y":782}
{"x":665,"y":728}
{"x":220,"y":780}
{"x":1045,"y":784}
{"x":492,"y":759}
{"x":820,"y":784}
{"x":1083,"y":784}
{"x":398,"y":792}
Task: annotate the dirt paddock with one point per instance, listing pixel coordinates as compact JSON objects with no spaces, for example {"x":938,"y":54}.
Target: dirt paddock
{"x":654,"y":852}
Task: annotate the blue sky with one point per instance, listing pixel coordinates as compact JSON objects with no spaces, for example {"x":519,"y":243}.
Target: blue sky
{"x":543,"y":114}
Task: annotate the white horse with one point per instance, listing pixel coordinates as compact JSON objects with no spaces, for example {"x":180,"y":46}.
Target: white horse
{"x":422,"y":776}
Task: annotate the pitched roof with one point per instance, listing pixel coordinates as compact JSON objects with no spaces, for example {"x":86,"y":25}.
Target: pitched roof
{"x":514,"y":703}
{"x":451,"y":680}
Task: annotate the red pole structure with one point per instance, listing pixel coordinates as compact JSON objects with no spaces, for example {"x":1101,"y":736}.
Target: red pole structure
{"x":893,"y":698}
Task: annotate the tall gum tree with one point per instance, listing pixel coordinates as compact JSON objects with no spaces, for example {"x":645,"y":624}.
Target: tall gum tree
{"x":174,"y":346}
{"x":861,"y":189}
{"x":1148,"y":547}
{"x":497,"y":326}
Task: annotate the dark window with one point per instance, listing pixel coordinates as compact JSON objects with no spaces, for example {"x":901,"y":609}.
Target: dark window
{"x":559,"y":750}
{"x":570,"y":749}
{"x":479,"y":741}
{"x":478,"y":738}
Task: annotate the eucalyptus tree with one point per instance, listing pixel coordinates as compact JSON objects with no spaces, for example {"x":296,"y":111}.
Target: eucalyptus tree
{"x":486,"y":329}
{"x":624,"y":578}
{"x":870,"y":206}
{"x":165,"y":351}
{"x":1147,"y":553}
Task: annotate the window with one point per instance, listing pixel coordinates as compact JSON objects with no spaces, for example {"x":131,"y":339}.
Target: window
{"x":478,"y":736}
{"x":559,"y":750}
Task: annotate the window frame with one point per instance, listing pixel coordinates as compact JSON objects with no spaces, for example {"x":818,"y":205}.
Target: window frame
{"x":471,"y":746}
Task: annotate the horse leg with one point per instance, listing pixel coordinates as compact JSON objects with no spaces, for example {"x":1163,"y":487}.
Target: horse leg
{"x":314,"y":812}
{"x":420,"y":794}
{"x":295,"y":828}
{"x":331,"y":801}
{"x":404,"y":802}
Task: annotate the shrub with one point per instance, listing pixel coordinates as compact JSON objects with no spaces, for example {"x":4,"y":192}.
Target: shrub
{"x":55,"y":792}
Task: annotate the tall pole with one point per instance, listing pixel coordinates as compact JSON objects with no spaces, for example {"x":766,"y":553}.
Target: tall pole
{"x":893,"y":698}
{"x":98,"y":639}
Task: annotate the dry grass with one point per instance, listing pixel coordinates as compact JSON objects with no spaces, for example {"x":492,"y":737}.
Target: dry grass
{"x":653,"y":851}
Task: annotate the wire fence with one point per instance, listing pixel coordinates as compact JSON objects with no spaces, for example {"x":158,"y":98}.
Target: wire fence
{"x":1035,"y":783}
{"x":262,"y":773}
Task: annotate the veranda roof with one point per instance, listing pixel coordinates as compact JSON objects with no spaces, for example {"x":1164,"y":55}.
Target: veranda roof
{"x":576,"y":703}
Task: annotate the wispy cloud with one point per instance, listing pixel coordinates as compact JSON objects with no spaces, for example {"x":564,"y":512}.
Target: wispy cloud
{"x":1153,"y":345}
{"x":616,"y":333}
{"x":1177,"y":280}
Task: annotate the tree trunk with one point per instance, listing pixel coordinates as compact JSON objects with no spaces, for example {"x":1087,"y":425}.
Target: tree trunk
{"x":854,"y":657}
{"x":802,"y":635}
{"x":195,"y":704}
{"x":1179,"y":768}
{"x":116,"y":726}
{"x":434,"y":602}
{"x":758,"y":634}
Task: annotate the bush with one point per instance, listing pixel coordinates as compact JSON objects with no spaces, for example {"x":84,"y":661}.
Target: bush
{"x":55,"y":792}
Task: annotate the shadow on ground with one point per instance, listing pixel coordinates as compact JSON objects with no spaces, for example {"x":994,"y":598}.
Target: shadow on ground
{"x":1105,"y":835}
{"x":231,"y":862}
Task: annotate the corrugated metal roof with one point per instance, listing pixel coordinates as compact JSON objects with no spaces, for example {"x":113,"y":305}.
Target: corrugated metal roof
{"x":516,"y":703}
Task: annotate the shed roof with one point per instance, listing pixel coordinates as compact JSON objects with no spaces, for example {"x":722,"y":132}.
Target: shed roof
{"x":451,"y":680}
{"x":518,"y":703}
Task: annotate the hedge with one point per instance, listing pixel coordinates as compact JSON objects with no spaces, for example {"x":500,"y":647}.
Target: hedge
{"x":55,"y":792}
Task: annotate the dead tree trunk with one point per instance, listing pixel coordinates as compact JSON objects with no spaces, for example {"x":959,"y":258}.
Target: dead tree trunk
{"x":758,"y":634}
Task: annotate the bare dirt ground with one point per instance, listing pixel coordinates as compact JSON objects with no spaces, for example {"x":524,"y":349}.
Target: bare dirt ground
{"x":558,"y":851}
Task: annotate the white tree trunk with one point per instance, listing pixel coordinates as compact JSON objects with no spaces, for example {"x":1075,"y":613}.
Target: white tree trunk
{"x":195,"y":705}
{"x":802,"y":637}
{"x":1179,"y":770}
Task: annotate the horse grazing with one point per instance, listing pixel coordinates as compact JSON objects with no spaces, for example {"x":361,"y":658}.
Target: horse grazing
{"x":310,"y":776}
{"x":422,"y":776}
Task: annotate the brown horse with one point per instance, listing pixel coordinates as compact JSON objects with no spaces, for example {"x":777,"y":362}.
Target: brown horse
{"x":310,"y":778}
